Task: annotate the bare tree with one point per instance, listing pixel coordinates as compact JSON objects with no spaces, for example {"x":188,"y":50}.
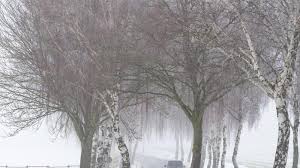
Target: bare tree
{"x":294,"y":101}
{"x":210,"y":155}
{"x":268,"y":41}
{"x":224,"y":146}
{"x":214,"y":121}
{"x":295,"y":129}
{"x":45,"y":77}
{"x":242,"y":106}
{"x":181,"y":54}
{"x":54,"y":67}
{"x":113,"y":110}
{"x":236,"y":145}
{"x":102,"y":158}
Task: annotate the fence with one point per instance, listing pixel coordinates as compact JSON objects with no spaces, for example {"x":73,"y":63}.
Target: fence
{"x":68,"y":166}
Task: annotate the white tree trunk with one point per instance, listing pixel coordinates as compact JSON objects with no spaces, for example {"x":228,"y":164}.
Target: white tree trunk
{"x":278,"y":89}
{"x":209,"y":150}
{"x":134,"y":152}
{"x":216,"y":151}
{"x":129,"y":142}
{"x":295,"y":148}
{"x":224,"y":148}
{"x":113,"y":110}
{"x":236,"y":146}
{"x":177,"y":147}
{"x":203,"y":152}
{"x":219,"y":141}
{"x":283,"y":133}
{"x":104,"y":147}
{"x":295,"y":129}
{"x":95,"y":149}
{"x":181,"y":148}
{"x":190,"y":153}
{"x":120,"y":142}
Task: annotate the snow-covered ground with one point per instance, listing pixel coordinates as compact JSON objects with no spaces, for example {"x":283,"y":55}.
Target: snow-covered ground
{"x":152,"y":162}
{"x":148,"y":161}
{"x":156,"y":156}
{"x":257,"y":148}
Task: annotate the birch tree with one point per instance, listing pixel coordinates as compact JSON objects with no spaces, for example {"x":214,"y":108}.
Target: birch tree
{"x":294,"y":101}
{"x":113,"y":110}
{"x":268,"y":35}
{"x":224,"y":147}
{"x":243,"y":105}
{"x":213,"y":126}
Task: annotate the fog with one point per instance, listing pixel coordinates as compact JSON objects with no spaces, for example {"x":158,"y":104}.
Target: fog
{"x":40,"y":148}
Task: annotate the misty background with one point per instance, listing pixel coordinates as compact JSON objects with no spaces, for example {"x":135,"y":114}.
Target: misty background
{"x":33,"y":147}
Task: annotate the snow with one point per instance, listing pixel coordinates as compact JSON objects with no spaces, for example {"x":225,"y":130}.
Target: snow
{"x":152,"y":162}
{"x":157,"y":155}
{"x":39,"y":148}
{"x":36,"y":148}
{"x":257,"y":147}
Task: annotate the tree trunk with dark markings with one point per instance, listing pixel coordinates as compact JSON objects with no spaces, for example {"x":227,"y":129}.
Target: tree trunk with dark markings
{"x":236,"y":146}
{"x":295,"y":129}
{"x":204,"y":146}
{"x":283,"y":133}
{"x":295,"y":148}
{"x":224,"y":148}
{"x":209,"y":150}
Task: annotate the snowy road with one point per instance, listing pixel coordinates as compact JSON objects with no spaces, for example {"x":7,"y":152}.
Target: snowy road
{"x":157,"y":157}
{"x":143,"y":161}
{"x":149,"y":162}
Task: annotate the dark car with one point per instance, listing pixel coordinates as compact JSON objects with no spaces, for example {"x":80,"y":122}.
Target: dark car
{"x":174,"y":164}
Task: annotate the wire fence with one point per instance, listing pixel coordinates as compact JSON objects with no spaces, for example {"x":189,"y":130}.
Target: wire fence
{"x":68,"y":166}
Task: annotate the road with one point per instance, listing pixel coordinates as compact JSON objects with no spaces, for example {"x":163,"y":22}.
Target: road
{"x":149,"y":162}
{"x":143,"y":161}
